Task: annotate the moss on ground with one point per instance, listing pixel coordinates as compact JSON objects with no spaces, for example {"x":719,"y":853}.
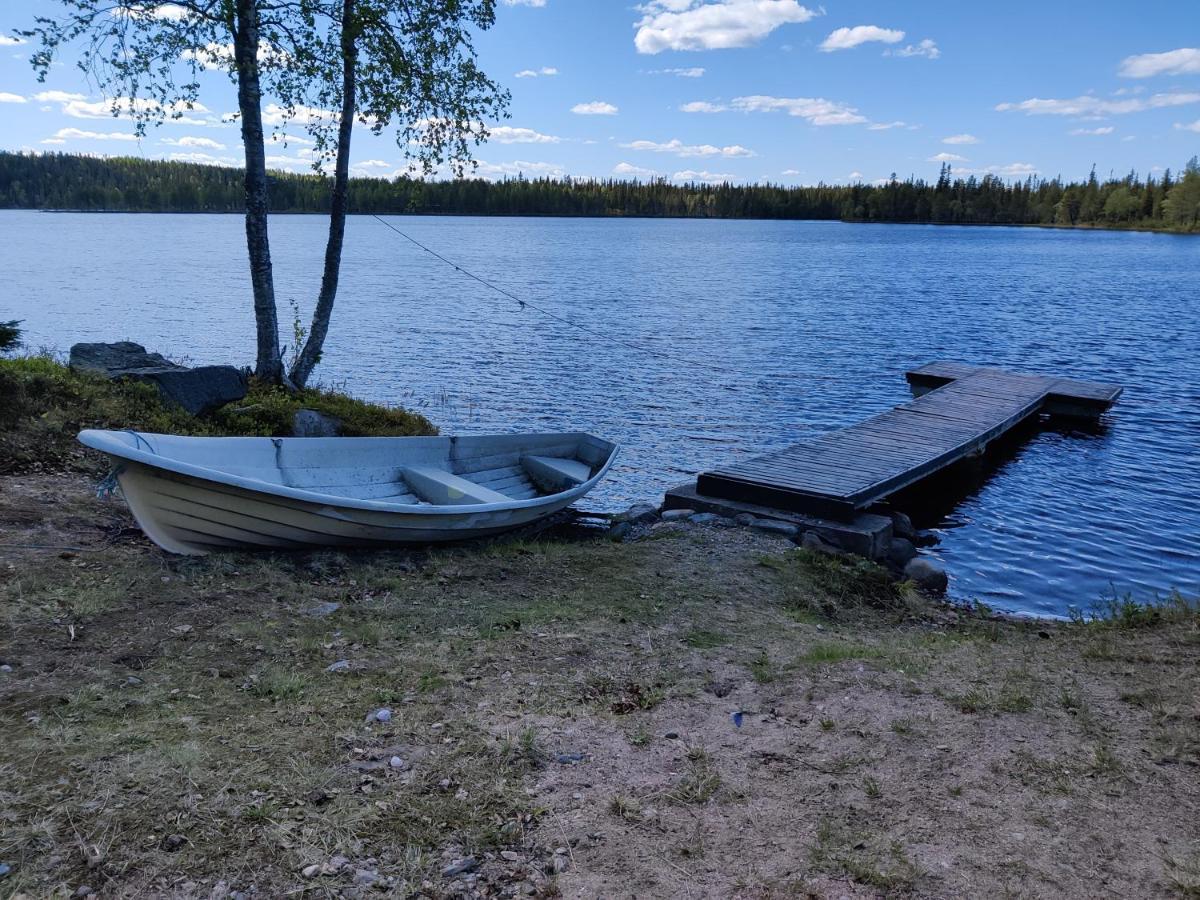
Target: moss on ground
{"x":44,"y":405}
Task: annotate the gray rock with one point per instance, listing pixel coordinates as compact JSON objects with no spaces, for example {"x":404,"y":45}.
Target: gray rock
{"x":744,"y":519}
{"x":342,"y":665}
{"x":813,"y":541}
{"x":311,"y":423}
{"x":5,"y":868}
{"x":771,"y":526}
{"x":6,"y":668}
{"x":196,"y":391}
{"x":902,"y":526}
{"x":926,"y":539}
{"x":638,"y":514}
{"x":673,"y":515}
{"x":460,"y":866}
{"x":704,"y":519}
{"x":321,"y":610}
{"x":619,"y":531}
{"x":84,"y":890}
{"x":382,"y":715}
{"x":365,"y":877}
{"x":927,"y":575}
{"x":901,"y":550}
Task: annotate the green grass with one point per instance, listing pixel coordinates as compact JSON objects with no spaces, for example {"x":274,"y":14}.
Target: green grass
{"x":824,"y":653}
{"x":44,"y":405}
{"x":832,"y":585}
{"x":703,"y":639}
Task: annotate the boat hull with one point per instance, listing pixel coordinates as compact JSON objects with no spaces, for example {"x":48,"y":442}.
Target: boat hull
{"x":196,"y":512}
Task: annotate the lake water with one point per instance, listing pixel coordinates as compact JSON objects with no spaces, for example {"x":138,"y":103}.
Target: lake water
{"x":810,"y":325}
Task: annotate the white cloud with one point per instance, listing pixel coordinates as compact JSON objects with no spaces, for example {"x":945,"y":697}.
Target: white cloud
{"x":1012,"y":170}
{"x":927,"y":48}
{"x":57,"y":96}
{"x":276,"y":115}
{"x":791,"y":172}
{"x":689,"y":72}
{"x":168,"y":11}
{"x":627,"y":170}
{"x":845,"y":38}
{"x":886,"y":126}
{"x":816,"y":110}
{"x":1184,"y":61}
{"x":535,"y":3}
{"x":208,"y":143}
{"x":595,"y":108}
{"x":6,"y":97}
{"x":1107,"y":129}
{"x":505,"y":134}
{"x":960,"y":139}
{"x":1194,"y":126}
{"x":216,"y":56}
{"x":124,"y":107}
{"x":545,"y":71}
{"x":76,"y":134}
{"x":496,"y":171}
{"x":946,"y":157}
{"x":702,"y":176}
{"x":678,"y":148}
{"x":715,"y":25}
{"x":1088,"y":105}
{"x":855,"y":176}
{"x":10,"y":41}
{"x":703,"y":106}
{"x":207,"y":159}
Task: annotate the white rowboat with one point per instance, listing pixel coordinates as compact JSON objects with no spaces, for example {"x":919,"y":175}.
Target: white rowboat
{"x":194,"y":495}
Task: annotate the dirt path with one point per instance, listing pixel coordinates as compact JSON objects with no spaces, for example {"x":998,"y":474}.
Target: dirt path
{"x":676,"y":717}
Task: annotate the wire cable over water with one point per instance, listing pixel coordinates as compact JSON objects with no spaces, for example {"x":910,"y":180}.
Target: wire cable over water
{"x":565,"y":320}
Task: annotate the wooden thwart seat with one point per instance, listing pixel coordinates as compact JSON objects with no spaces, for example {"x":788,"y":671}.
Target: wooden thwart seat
{"x":441,"y":488}
{"x":553,"y":474}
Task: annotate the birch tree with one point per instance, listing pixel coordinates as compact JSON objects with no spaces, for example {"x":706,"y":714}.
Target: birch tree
{"x":406,"y":67}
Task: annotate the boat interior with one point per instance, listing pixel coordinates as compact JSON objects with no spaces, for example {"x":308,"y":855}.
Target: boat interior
{"x":435,"y":471}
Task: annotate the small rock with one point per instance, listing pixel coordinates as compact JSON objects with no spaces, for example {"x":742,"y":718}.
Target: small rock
{"x":901,"y":550}
{"x":311,"y":871}
{"x":619,"y":532}
{"x":814,"y":542}
{"x":926,"y":539}
{"x":637,"y":514}
{"x":172,"y":842}
{"x":6,"y":668}
{"x":335,"y":865}
{"x":311,"y":423}
{"x":720,"y":688}
{"x":220,"y":891}
{"x":396,"y":762}
{"x":569,"y":758}
{"x":365,"y":877}
{"x":510,"y":855}
{"x":84,"y":890}
{"x":902,"y":526}
{"x":318,"y":797}
{"x":673,"y":515}
{"x":704,"y":519}
{"x":181,"y":629}
{"x":560,"y":864}
{"x":321,"y":610}
{"x":5,"y":868}
{"x":460,"y":867}
{"x":342,"y":665}
{"x":382,"y":715}
{"x":771,"y":526}
{"x":672,"y":735}
{"x":744,"y":519}
{"x":927,"y":575}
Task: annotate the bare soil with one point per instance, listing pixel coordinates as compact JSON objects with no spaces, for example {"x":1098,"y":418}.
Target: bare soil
{"x":701,"y":712}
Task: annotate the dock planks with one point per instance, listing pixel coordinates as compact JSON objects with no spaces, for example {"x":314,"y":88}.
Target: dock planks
{"x":958,"y":410}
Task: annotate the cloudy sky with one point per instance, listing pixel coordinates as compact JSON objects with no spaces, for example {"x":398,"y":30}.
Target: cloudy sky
{"x":748,"y":90}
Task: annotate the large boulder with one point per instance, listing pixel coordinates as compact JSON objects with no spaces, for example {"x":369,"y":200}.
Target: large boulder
{"x":312,"y":423}
{"x":197,"y":390}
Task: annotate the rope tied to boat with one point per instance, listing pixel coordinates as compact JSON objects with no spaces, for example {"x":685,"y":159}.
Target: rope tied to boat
{"x":108,"y":486}
{"x":138,"y":439}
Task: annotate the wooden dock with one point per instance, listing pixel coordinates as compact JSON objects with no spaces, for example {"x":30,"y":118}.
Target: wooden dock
{"x":958,"y":411}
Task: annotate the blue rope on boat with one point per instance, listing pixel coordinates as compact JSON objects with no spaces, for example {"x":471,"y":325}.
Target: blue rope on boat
{"x":109,"y":485}
{"x":140,"y":440}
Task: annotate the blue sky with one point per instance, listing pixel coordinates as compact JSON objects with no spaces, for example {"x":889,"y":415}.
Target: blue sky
{"x":749,"y":90}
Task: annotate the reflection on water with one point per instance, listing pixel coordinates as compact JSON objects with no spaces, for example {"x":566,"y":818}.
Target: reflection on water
{"x":810,"y":327}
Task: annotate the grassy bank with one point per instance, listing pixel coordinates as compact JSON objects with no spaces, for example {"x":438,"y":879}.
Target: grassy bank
{"x":44,"y":405}
{"x":702,"y":712}
{"x":563,"y":712}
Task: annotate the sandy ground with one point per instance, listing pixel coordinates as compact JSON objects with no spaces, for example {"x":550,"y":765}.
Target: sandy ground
{"x":700,"y":713}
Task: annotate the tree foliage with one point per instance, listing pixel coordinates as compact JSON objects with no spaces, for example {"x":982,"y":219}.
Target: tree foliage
{"x":60,"y":181}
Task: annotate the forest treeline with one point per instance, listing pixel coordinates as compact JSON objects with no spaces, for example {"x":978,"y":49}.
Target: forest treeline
{"x":65,"y":181}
